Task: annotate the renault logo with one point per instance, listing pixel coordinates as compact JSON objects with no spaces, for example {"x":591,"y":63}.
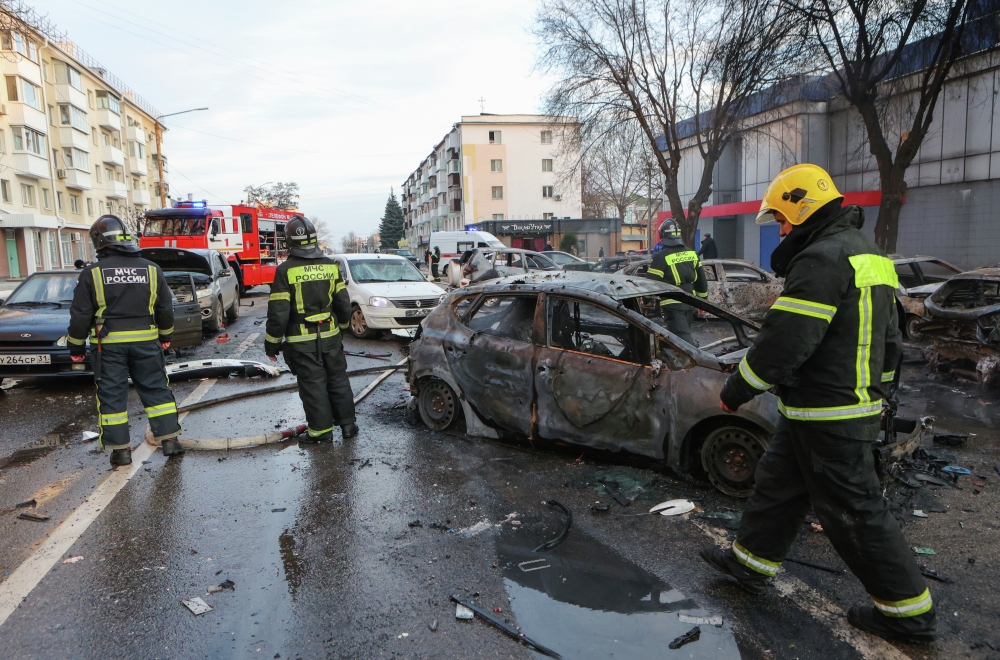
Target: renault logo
{"x":419,"y":304}
{"x":25,"y":334}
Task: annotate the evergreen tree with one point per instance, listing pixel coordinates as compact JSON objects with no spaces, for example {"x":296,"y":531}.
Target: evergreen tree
{"x":391,"y":228}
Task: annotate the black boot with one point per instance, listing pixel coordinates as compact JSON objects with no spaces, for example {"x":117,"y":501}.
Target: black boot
{"x":920,"y":628}
{"x":172,"y":447}
{"x":725,"y":561}
{"x":349,"y":430}
{"x":121,"y":457}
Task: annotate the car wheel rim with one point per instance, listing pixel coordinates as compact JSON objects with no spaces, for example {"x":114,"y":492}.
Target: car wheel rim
{"x":912,"y":328}
{"x":358,"y":324}
{"x":730,"y":458}
{"x":437,"y":405}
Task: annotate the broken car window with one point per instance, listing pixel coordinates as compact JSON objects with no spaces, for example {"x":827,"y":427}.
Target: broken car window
{"x":907,"y":278}
{"x":741,"y":273}
{"x":587,"y":328}
{"x":710,"y":274}
{"x":936,"y":271}
{"x":462,"y":306}
{"x":505,"y":316}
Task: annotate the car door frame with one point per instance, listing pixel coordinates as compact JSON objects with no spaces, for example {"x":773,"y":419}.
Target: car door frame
{"x":192,"y":310}
{"x":224,"y":275}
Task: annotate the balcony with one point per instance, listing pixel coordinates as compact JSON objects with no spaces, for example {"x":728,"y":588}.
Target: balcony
{"x":456,"y":206}
{"x":140,"y":197}
{"x":112,"y":156}
{"x":66,"y":93}
{"x":135,"y":134}
{"x":77,"y":179}
{"x":138,"y":166}
{"x":156,"y":177}
{"x":30,"y":165}
{"x":454,"y":179}
{"x":70,"y":137}
{"x":109,"y":120}
{"x":115,"y":190}
{"x":21,"y":114}
{"x":18,"y":65}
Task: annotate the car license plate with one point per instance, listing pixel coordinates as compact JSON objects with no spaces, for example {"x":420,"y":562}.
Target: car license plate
{"x":418,"y":312}
{"x":26,"y":359}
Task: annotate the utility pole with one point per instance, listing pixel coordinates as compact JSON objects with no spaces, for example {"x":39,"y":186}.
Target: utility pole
{"x":159,"y":152}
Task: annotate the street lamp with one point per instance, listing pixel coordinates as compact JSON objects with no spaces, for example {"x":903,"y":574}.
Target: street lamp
{"x":159,"y":152}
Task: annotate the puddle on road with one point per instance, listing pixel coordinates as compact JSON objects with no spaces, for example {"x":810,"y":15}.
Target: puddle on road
{"x":591,"y":603}
{"x":28,"y":455}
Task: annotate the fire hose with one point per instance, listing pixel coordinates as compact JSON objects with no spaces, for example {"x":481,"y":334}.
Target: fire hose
{"x":276,"y":436}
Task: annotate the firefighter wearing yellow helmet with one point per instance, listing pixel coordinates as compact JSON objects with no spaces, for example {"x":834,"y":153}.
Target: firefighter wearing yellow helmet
{"x":829,"y":348}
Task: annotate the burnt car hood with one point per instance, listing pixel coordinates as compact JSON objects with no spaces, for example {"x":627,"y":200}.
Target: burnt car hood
{"x":179,"y":260}
{"x":936,"y":304}
{"x":46,"y":323}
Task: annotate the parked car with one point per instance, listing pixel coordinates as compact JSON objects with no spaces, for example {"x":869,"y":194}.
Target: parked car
{"x":611,"y":264}
{"x":218,"y":287}
{"x":387,"y":293}
{"x":568,"y":261}
{"x":35,"y":318}
{"x":735,"y":285}
{"x":965,"y":325}
{"x":403,"y":252}
{"x":484,"y":264}
{"x":919,"y":277}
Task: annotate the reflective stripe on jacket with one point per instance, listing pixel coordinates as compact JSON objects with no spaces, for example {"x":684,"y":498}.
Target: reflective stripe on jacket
{"x":308,"y":296}
{"x":681,"y":267}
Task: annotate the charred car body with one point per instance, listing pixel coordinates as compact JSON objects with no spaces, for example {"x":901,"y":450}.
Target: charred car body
{"x":569,"y":356}
{"x":965,"y":325}
{"x":919,"y":277}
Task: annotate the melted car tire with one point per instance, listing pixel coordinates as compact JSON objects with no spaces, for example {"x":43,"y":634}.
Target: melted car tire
{"x":437,"y":404}
{"x":730,"y":455}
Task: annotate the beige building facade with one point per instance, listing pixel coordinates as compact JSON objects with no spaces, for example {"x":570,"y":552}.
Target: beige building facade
{"x":494,"y":167}
{"x":75,"y":143}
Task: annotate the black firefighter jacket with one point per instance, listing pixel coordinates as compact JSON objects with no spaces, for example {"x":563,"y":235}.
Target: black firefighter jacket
{"x":127,"y":296}
{"x":308,"y":297}
{"x":831,"y":341}
{"x":680,"y":266}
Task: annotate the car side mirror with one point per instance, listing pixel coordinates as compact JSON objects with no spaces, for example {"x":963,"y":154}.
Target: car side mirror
{"x":226,"y":273}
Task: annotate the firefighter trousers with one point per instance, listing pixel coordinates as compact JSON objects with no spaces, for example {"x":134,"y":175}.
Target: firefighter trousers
{"x":324,"y":388}
{"x":144,"y":362}
{"x":804,"y":464}
{"x":678,"y":318}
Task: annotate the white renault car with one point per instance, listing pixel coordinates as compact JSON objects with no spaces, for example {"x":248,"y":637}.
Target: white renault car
{"x":387,"y":293}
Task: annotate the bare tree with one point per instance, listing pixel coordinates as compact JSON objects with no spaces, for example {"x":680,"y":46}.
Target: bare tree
{"x":892,"y":60}
{"x":275,"y":195}
{"x":686,"y":71}
{"x":323,"y":230}
{"x":349,"y":242}
{"x":613,"y":168}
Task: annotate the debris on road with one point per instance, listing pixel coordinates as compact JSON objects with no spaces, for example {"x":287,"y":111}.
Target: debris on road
{"x":366,"y":354}
{"x":220,"y":368}
{"x":548,"y":545}
{"x":89,"y":436}
{"x":673,"y":507}
{"x":222,"y":339}
{"x":700,"y":620}
{"x":197,"y":606}
{"x":932,"y":574}
{"x":816,"y":527}
{"x":600,"y":507}
{"x":533,"y":565}
{"x":34,"y":517}
{"x":950,"y":439}
{"x":464,"y":613}
{"x":73,"y":560}
{"x":224,"y":586}
{"x":433,"y":625}
{"x":513,"y":632}
{"x":919,"y":513}
{"x":280,"y":510}
{"x":924,"y":551}
{"x":23,"y":505}
{"x":415,"y":523}
{"x":955,"y":469}
{"x":476,"y":529}
{"x":692,"y":635}
{"x":720,"y":518}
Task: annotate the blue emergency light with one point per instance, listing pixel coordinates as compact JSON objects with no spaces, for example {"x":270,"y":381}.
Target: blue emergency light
{"x":191,"y":204}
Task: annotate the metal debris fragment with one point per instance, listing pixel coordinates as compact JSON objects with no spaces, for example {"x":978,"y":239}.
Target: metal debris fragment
{"x":548,"y":545}
{"x":534,"y":565}
{"x":700,"y":620}
{"x":35,"y":517}
{"x":197,"y":606}
{"x":673,"y":507}
{"x":692,"y":635}
{"x":513,"y":632}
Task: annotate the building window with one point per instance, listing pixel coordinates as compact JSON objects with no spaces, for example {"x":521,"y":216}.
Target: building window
{"x":46,"y":198}
{"x":548,"y":216}
{"x":36,"y":242}
{"x":19,"y":89}
{"x":25,"y":46}
{"x":90,"y":205}
{"x":108,"y":101}
{"x":546,"y":137}
{"x":67,"y":75}
{"x":97,"y":173}
{"x":497,"y":192}
{"x":90,"y":101}
{"x":60,"y":201}
{"x":5,"y":190}
{"x":70,"y":115}
{"x":53,"y":250}
{"x":498,"y":216}
{"x":67,"y":248}
{"x":496,"y":165}
{"x":546,"y":164}
{"x":28,"y":139}
{"x":546,"y":191}
{"x":93,"y":132}
{"x":52,"y":115}
{"x":76,"y":159}
{"x":27,"y":195}
{"x":495,"y":137}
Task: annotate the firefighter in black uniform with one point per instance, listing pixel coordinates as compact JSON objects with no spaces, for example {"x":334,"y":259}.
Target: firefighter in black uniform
{"x":123,"y":303}
{"x":435,"y":262}
{"x":678,"y":265}
{"x":308,"y":307}
{"x":829,"y":345}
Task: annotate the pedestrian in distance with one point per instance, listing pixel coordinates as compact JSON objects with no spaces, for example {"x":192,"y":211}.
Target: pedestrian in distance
{"x":709,"y":250}
{"x":829,"y":347}
{"x":123,"y":304}
{"x":677,"y":264}
{"x":306,"y":312}
{"x":600,"y":253}
{"x":548,"y":247}
{"x":435,"y":263}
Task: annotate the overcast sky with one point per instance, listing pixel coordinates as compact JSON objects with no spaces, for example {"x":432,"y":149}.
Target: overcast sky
{"x":344,"y":98}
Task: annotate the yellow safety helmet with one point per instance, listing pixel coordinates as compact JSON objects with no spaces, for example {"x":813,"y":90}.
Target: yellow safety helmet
{"x":797,"y":193}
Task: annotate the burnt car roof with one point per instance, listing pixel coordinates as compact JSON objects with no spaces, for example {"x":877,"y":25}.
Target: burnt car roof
{"x":615,"y":285}
{"x":981,"y":274}
{"x":900,"y":260}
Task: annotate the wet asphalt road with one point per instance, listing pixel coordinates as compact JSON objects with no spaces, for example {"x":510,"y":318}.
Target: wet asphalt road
{"x":353,"y":549}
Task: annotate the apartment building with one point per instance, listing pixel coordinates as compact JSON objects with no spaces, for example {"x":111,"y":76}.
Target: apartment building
{"x":953,"y":185}
{"x":75,"y":143}
{"x":494,"y":167}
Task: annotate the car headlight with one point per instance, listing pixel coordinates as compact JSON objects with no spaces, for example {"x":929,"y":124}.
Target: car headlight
{"x":205,"y":293}
{"x":61,"y":342}
{"x":378,"y":301}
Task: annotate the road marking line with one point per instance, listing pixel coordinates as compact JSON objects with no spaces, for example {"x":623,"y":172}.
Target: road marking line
{"x":828,"y":614}
{"x":245,"y":344}
{"x":27,"y":576}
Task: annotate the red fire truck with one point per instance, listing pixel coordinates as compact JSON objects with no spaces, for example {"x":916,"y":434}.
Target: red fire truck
{"x":251,"y":237}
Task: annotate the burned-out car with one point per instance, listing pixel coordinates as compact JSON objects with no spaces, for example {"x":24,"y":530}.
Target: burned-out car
{"x":482,"y":264}
{"x":919,"y":277}
{"x":569,"y":356}
{"x":734,"y":285}
{"x":965,"y":325}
